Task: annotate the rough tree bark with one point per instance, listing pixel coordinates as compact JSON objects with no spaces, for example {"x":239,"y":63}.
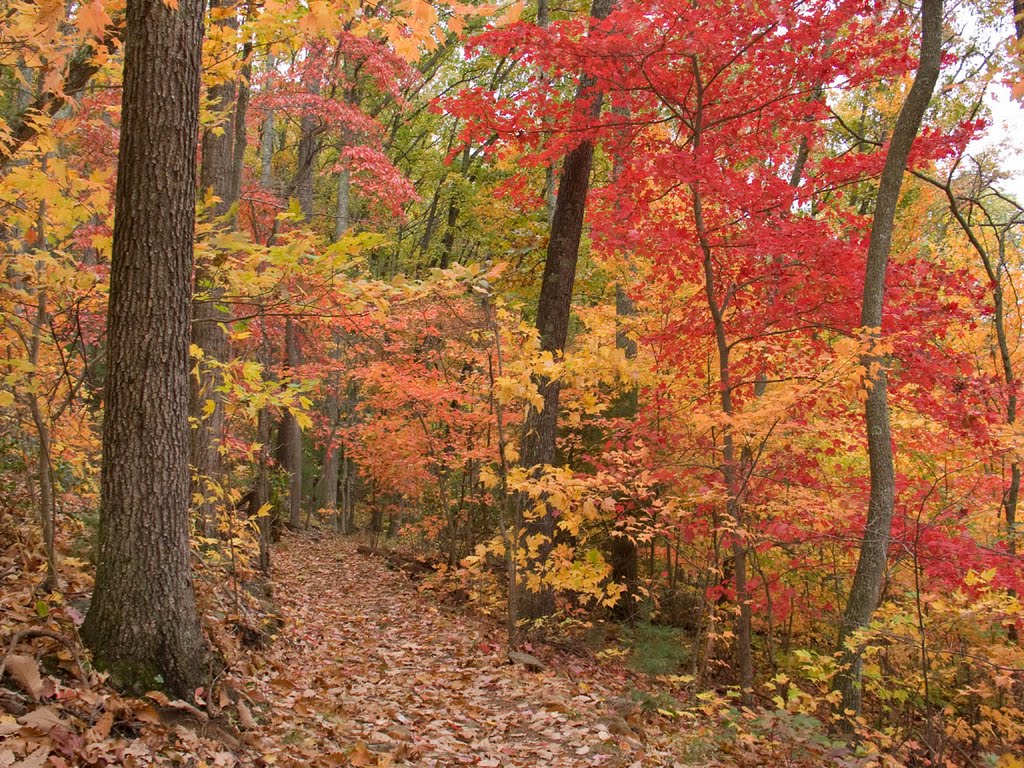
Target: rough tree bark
{"x":553,"y":308}
{"x":143,"y":625}
{"x":871,"y":563}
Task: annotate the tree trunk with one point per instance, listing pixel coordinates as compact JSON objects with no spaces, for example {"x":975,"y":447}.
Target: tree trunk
{"x":731,"y":469}
{"x":267,"y":141}
{"x":241,"y":114}
{"x":289,"y":434}
{"x":143,"y":625}
{"x":625,"y":555}
{"x":540,"y":429}
{"x":304,"y":166}
{"x":341,"y":214}
{"x":871,"y":564}
{"x":262,"y":490}
{"x":267,"y":152}
{"x":44,"y":453}
{"x":327,"y":486}
{"x":216,"y":177}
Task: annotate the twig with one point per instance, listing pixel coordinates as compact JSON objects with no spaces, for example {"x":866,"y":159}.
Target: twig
{"x":26,"y":634}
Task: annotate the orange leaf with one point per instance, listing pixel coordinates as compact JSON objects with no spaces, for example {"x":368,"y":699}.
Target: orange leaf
{"x":93,"y":19}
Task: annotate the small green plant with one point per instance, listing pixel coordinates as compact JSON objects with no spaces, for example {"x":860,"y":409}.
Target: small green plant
{"x":656,"y":650}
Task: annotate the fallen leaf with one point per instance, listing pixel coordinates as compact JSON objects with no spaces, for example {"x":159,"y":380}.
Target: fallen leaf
{"x":102,"y":728}
{"x":361,"y":756}
{"x":43,"y":719}
{"x":245,"y":716}
{"x":25,"y":672}
{"x":36,"y":760}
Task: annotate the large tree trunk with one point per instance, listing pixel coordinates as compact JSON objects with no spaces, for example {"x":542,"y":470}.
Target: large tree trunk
{"x":871,"y":564}
{"x":143,"y":625}
{"x":540,"y":429}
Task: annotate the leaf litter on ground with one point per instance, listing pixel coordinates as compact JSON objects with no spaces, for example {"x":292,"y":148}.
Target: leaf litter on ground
{"x":364,"y":670}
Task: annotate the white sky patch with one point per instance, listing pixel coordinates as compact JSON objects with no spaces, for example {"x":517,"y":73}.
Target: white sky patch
{"x":1005,"y":136}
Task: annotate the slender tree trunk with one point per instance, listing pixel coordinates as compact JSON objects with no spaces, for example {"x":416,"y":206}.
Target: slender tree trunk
{"x":268,"y":132}
{"x":143,"y":625}
{"x":44,"y":466}
{"x":731,"y":468}
{"x":304,"y":165}
{"x":241,"y":114}
{"x":871,"y":564}
{"x":540,"y":429}
{"x":217,"y":177}
{"x":289,"y":434}
{"x":262,"y":490}
{"x":267,"y":152}
{"x":625,"y":556}
{"x":44,"y":476}
{"x":327,"y":486}
{"x":341,"y":212}
{"x":289,"y":431}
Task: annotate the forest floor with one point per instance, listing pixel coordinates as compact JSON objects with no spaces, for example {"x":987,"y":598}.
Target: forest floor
{"x":366,"y":668}
{"x":379,"y":673}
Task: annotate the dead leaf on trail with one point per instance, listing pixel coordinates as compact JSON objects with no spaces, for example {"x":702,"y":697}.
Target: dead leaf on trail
{"x":147,"y":714}
{"x":43,"y":720}
{"x":102,"y":728}
{"x":245,"y":716}
{"x":25,"y":672}
{"x":36,"y":760}
{"x":361,"y":756}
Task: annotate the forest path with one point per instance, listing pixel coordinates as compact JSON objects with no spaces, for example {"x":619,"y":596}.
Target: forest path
{"x":366,"y":671}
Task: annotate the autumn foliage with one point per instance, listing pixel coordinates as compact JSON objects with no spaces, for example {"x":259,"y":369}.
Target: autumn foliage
{"x":367,"y":267}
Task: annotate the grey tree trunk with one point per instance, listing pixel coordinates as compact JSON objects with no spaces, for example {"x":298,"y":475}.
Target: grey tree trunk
{"x":143,"y":625}
{"x":341,"y":214}
{"x":872,"y":561}
{"x":290,"y":434}
{"x":289,"y":431}
{"x":304,"y":167}
{"x":268,"y":134}
{"x":267,"y":152}
{"x":327,"y":486}
{"x":44,"y":468}
{"x":624,"y":553}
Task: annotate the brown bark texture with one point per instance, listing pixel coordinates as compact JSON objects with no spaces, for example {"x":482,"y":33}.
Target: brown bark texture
{"x":143,"y":625}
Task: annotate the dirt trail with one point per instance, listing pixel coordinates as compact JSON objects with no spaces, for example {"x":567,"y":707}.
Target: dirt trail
{"x":367,"y":672}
